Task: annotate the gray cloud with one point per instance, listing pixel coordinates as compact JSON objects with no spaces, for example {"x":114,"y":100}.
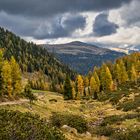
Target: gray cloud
{"x":61,"y":28}
{"x":130,"y":13}
{"x":41,"y":29}
{"x":102,"y":26}
{"x":52,"y":7}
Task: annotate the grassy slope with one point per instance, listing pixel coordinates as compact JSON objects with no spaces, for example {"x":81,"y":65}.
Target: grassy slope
{"x":93,"y":111}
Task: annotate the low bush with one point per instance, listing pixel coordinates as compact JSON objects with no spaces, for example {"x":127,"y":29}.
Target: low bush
{"x":118,"y":118}
{"x":104,"y":130}
{"x":128,"y":135}
{"x":15,"y":125}
{"x":75,"y":121}
{"x":130,"y":105}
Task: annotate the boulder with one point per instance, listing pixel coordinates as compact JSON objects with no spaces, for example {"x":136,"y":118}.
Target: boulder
{"x":69,"y":129}
{"x":88,"y":134}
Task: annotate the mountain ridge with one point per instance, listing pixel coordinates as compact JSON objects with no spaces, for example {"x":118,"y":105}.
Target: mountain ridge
{"x":79,"y":55}
{"x":32,"y":58}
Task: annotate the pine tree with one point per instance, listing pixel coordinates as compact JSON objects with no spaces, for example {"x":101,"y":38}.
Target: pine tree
{"x":67,"y":89}
{"x":16,"y":77}
{"x":133,"y":74}
{"x":7,"y":79}
{"x":28,"y":94}
{"x":80,"y":87}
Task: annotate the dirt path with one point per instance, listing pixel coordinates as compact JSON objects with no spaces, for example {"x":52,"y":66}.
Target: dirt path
{"x":21,"y":101}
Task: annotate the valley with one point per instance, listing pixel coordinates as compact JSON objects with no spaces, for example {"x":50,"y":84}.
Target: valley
{"x":103,"y":118}
{"x":41,"y":98}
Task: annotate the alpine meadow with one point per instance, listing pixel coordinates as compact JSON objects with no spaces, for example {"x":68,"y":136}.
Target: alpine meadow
{"x":70,"y":70}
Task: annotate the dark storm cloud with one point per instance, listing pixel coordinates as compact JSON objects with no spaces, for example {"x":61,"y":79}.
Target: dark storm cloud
{"x":52,"y":28}
{"x":102,"y":26}
{"x":53,"y":7}
{"x":61,"y":28}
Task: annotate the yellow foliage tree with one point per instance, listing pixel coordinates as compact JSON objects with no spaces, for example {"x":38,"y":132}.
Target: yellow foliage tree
{"x":93,"y":86}
{"x":133,"y":74}
{"x":97,"y":81}
{"x":80,"y":87}
{"x":16,"y":77}
{"x":106,"y":78}
{"x":7,"y":79}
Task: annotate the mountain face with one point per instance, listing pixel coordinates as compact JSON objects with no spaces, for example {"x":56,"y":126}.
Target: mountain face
{"x":82,"y":57}
{"x":32,"y":58}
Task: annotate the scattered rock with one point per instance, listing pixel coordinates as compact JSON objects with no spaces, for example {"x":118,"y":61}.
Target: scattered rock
{"x":69,"y":129}
{"x":88,"y":134}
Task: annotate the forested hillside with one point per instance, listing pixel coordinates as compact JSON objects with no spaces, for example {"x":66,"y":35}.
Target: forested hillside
{"x":105,"y":79}
{"x":32,"y":58}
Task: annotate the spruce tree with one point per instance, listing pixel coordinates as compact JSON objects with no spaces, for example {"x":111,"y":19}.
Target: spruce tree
{"x":28,"y":94}
{"x":67,"y":89}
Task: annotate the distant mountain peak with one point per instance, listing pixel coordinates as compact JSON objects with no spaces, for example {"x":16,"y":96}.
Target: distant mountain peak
{"x":81,"y":56}
{"x":79,"y":43}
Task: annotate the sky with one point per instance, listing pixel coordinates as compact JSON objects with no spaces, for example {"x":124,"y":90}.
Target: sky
{"x":61,"y":21}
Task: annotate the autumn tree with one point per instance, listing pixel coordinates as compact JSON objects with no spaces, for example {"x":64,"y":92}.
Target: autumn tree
{"x":106,"y":78}
{"x":86,"y":86}
{"x":1,"y":64}
{"x":93,"y":87}
{"x":123,"y":73}
{"x":80,"y":87}
{"x":97,"y":81}
{"x":133,"y":74}
{"x":73,"y":90}
{"x":16,"y":77}
{"x":117,"y":73}
{"x":7,"y":79}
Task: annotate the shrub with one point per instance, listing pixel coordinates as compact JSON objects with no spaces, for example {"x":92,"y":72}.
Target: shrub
{"x":105,"y":131}
{"x":118,"y":118}
{"x":75,"y":121}
{"x":111,"y":119}
{"x":128,"y":135}
{"x":130,"y":105}
{"x":15,"y":125}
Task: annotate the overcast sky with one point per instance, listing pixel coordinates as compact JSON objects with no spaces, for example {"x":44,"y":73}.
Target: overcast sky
{"x":60,"y":21}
